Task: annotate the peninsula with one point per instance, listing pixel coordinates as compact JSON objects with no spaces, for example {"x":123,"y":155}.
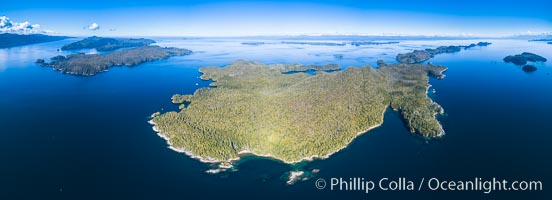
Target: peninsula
{"x":91,"y":64}
{"x":107,"y":44}
{"x":419,"y":56}
{"x":253,"y":108}
{"x":11,"y":40}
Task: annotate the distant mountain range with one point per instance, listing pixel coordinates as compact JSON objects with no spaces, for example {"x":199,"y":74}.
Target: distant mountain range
{"x":11,"y":40}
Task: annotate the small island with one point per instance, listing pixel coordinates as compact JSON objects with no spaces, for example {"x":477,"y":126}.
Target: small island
{"x":419,"y":56}
{"x":529,"y":68}
{"x":107,"y":44}
{"x":253,"y":108}
{"x":11,"y":40}
{"x":523,"y":58}
{"x":91,"y":64}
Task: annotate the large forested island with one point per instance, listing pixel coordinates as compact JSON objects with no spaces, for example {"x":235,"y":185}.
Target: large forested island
{"x":107,"y":44}
{"x":419,"y":56}
{"x":286,"y":68}
{"x":256,"y":108}
{"x":12,"y":40}
{"x":90,"y":64}
{"x":523,"y":58}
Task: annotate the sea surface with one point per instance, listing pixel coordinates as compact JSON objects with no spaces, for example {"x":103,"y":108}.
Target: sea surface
{"x":74,"y":137}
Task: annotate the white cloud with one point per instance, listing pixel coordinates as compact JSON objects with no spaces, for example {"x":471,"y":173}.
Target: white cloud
{"x":9,"y":26}
{"x":93,"y":26}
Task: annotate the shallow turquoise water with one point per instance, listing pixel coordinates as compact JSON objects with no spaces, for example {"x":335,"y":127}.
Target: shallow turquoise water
{"x":67,"y":137}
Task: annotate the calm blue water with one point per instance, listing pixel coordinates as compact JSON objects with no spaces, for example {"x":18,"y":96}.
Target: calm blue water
{"x":69,"y":137}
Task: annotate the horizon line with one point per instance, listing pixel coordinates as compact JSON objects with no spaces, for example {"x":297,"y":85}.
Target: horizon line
{"x":303,"y":35}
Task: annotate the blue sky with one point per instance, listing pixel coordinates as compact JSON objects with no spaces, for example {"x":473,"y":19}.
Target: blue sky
{"x":250,"y":18}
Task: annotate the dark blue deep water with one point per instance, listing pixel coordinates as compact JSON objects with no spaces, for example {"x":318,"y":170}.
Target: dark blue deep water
{"x":70,"y":137}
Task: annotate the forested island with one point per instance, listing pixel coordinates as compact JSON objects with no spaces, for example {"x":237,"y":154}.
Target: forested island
{"x":107,"y":44}
{"x":91,"y":64}
{"x":419,"y":56}
{"x":256,"y":108}
{"x":523,"y":58}
{"x":12,"y":40}
{"x":287,"y":68}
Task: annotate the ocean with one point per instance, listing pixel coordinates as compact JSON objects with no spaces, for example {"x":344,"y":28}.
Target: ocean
{"x":76,"y":137}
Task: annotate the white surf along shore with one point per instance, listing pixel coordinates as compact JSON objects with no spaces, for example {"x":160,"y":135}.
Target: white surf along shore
{"x":227,"y":164}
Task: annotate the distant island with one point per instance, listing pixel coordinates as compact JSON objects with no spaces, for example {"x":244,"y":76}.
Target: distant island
{"x":523,"y":58}
{"x":316,"y":43}
{"x":419,"y":56}
{"x":547,"y":40}
{"x":253,"y":108}
{"x":107,"y":44}
{"x":91,"y":64}
{"x":540,"y":40}
{"x":360,"y":43}
{"x":11,"y":40}
{"x":252,"y":43}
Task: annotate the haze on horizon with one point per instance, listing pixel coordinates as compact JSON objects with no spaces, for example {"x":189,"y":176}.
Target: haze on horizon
{"x":219,"y":18}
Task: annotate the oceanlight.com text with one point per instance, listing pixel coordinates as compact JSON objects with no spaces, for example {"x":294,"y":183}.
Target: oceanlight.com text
{"x":486,"y":186}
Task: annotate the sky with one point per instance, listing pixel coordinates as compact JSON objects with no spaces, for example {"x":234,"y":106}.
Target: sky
{"x":220,"y":18}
